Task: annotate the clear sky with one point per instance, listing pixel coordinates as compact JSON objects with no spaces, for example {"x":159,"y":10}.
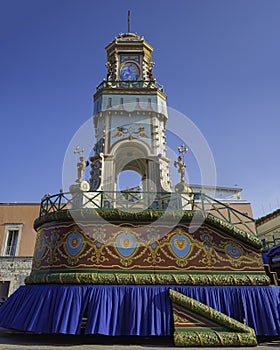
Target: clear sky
{"x":219,"y":61}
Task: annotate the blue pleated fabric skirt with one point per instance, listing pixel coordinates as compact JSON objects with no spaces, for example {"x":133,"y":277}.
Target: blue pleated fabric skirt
{"x":142,"y":310}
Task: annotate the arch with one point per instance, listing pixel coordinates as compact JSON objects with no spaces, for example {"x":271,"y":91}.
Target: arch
{"x":136,"y":156}
{"x":129,"y":156}
{"x":141,"y":147}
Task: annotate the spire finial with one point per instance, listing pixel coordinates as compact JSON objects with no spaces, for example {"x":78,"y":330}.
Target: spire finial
{"x":128,"y":21}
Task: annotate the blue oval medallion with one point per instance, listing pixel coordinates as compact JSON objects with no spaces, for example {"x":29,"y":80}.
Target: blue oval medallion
{"x":74,"y":243}
{"x":181,"y":246}
{"x":233,"y":251}
{"x":126,"y":244}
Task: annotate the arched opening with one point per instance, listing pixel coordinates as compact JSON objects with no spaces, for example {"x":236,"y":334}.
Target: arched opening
{"x":131,"y":167}
{"x":129,"y":180}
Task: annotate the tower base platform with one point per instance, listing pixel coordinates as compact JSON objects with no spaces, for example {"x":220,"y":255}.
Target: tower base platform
{"x":147,"y":310}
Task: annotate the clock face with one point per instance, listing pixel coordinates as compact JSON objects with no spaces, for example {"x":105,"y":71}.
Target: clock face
{"x":129,"y":71}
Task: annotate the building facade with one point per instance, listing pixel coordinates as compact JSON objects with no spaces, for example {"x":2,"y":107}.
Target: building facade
{"x":17,"y":241}
{"x":268,"y":228}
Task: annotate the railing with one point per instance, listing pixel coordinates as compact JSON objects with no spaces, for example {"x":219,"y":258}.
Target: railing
{"x":137,"y":84}
{"x":127,"y":200}
{"x":224,"y":211}
{"x":138,"y":201}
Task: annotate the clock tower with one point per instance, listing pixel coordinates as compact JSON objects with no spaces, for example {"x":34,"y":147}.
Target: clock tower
{"x":130,"y":117}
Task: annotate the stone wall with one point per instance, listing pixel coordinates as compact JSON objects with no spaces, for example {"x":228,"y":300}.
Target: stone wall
{"x":15,"y":270}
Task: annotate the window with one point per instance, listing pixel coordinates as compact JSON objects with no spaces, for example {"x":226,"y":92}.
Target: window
{"x":11,"y":240}
{"x":11,"y":245}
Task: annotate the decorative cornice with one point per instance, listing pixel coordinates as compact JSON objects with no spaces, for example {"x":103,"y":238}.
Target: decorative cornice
{"x":134,"y":91}
{"x":143,"y":112}
{"x":132,"y":277}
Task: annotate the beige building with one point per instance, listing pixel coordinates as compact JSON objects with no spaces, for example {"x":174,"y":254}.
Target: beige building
{"x":268,"y":228}
{"x":17,"y":241}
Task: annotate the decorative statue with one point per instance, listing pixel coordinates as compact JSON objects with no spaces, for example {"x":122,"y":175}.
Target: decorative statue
{"x":181,"y":168}
{"x":81,"y":165}
{"x":120,"y":131}
{"x":182,"y":149}
{"x":141,"y":132}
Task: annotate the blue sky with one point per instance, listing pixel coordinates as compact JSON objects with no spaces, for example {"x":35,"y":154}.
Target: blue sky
{"x":218,"y":61}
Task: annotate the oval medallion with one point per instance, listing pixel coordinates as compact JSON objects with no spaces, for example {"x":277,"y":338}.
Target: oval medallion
{"x":233,"y":251}
{"x":74,"y":243}
{"x":126,"y":244}
{"x":181,"y":246}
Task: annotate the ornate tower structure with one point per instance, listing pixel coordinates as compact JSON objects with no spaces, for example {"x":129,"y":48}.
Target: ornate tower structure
{"x":98,"y":269}
{"x":130,"y":116}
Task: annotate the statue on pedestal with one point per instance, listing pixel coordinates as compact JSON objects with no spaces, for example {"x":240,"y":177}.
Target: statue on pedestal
{"x":81,"y":165}
{"x":182,"y":186}
{"x":181,"y":167}
{"x":82,"y":185}
{"x":180,"y":162}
